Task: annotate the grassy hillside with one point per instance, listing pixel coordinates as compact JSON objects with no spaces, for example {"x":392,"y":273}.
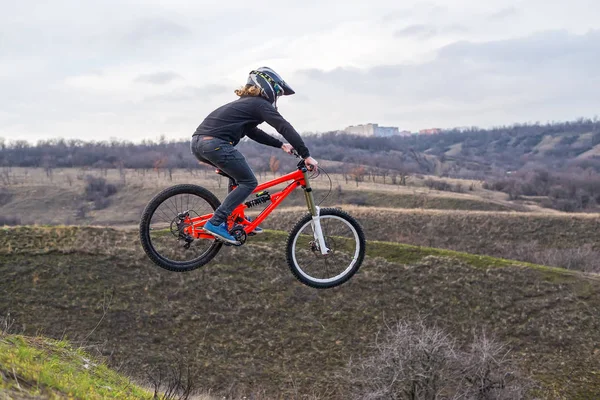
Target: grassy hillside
{"x":245,"y":322}
{"x":43,"y":368}
{"x":558,"y":237}
{"x":511,"y":148}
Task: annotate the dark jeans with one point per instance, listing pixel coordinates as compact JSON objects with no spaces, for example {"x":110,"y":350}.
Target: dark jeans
{"x":222,"y":155}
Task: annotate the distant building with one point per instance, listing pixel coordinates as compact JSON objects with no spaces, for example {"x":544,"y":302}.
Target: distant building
{"x":405,"y":133}
{"x":372,"y":130}
{"x":432,"y":131}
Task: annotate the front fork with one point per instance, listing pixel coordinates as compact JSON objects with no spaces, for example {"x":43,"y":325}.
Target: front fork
{"x":314,"y":210}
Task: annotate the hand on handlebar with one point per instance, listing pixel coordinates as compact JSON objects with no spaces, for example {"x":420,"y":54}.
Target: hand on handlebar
{"x":311,"y":163}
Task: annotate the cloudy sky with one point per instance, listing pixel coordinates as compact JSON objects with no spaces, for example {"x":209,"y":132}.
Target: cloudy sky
{"x":135,"y":69}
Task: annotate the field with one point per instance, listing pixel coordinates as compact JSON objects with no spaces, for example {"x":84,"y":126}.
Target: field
{"x":477,"y":221}
{"x":35,"y":197}
{"x":247,"y":325}
{"x":560,"y":239}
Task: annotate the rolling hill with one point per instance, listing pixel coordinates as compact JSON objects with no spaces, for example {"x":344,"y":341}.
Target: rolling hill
{"x":244,"y":322}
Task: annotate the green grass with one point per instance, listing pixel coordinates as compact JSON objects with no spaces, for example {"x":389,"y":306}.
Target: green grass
{"x":46,"y":368}
{"x":408,"y":254}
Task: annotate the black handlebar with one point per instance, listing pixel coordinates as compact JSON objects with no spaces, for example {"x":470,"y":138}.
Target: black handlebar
{"x":301,"y":164}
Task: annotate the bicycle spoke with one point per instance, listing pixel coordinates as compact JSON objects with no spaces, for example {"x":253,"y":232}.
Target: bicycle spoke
{"x":341,"y":240}
{"x":167,"y":239}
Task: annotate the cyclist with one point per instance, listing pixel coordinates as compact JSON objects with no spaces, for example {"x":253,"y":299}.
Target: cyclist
{"x":215,"y":139}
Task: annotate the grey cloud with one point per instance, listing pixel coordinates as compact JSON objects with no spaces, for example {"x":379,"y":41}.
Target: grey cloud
{"x":158,"y":78}
{"x":550,"y":73}
{"x":542,"y":50}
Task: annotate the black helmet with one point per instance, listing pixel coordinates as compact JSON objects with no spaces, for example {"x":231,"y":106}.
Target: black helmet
{"x":271,"y":83}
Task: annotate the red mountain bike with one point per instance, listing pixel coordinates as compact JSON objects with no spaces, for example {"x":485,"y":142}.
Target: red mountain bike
{"x":324,"y":249}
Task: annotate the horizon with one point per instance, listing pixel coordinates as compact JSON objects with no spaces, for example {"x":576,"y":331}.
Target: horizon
{"x":160,"y":138}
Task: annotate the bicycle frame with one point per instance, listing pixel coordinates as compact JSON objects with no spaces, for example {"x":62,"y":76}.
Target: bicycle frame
{"x":297,"y":179}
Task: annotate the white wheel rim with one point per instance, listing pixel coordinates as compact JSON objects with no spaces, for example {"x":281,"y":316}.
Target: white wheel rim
{"x":343,"y":273}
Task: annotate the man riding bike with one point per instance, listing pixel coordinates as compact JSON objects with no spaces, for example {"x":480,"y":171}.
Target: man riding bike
{"x":215,"y":139}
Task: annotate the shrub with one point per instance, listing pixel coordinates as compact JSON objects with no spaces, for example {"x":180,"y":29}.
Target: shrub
{"x":444,"y":186}
{"x":413,"y":361}
{"x":98,"y":190}
{"x":438,"y":184}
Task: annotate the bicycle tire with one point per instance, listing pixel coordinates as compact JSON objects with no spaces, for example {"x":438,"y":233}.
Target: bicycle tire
{"x":176,"y":266}
{"x":347,"y":274}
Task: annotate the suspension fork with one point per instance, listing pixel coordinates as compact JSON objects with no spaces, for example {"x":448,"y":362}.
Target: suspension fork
{"x":315,"y":211}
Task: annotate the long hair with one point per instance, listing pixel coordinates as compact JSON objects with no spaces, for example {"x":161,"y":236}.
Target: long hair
{"x":249,"y":90}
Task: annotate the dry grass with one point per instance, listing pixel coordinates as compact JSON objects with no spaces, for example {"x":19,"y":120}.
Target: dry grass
{"x":249,"y":326}
{"x":36,"y":198}
{"x":74,"y":178}
{"x":560,"y":239}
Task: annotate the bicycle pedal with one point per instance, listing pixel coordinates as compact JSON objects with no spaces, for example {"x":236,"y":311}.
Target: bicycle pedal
{"x":227,"y":243}
{"x":231,"y":244}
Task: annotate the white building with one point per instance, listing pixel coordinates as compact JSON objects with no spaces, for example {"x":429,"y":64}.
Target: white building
{"x":372,"y":130}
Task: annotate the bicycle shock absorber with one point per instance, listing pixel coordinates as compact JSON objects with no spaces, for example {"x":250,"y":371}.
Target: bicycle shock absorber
{"x":261,"y":197}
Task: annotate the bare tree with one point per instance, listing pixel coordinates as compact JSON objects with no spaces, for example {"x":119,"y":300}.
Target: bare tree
{"x":358,"y":174}
{"x":158,"y":164}
{"x":274,"y":165}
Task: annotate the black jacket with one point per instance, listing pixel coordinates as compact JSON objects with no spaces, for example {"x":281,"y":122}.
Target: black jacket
{"x":239,"y":118}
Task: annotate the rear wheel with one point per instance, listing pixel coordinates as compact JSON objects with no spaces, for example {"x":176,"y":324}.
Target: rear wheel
{"x":162,"y":228}
{"x":345,"y":240}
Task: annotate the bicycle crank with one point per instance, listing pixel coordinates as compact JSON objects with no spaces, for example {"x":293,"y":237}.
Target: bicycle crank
{"x":239,"y":234}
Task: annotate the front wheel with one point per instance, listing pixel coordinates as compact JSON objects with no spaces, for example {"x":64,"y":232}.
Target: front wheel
{"x":345,"y":240}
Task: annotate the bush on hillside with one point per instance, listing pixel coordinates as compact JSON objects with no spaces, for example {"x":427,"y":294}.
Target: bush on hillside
{"x":444,"y":186}
{"x":414,"y":362}
{"x":97,"y":190}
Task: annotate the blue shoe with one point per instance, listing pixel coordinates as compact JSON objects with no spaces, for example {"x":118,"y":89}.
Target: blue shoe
{"x":220,"y":231}
{"x":256,"y":230}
